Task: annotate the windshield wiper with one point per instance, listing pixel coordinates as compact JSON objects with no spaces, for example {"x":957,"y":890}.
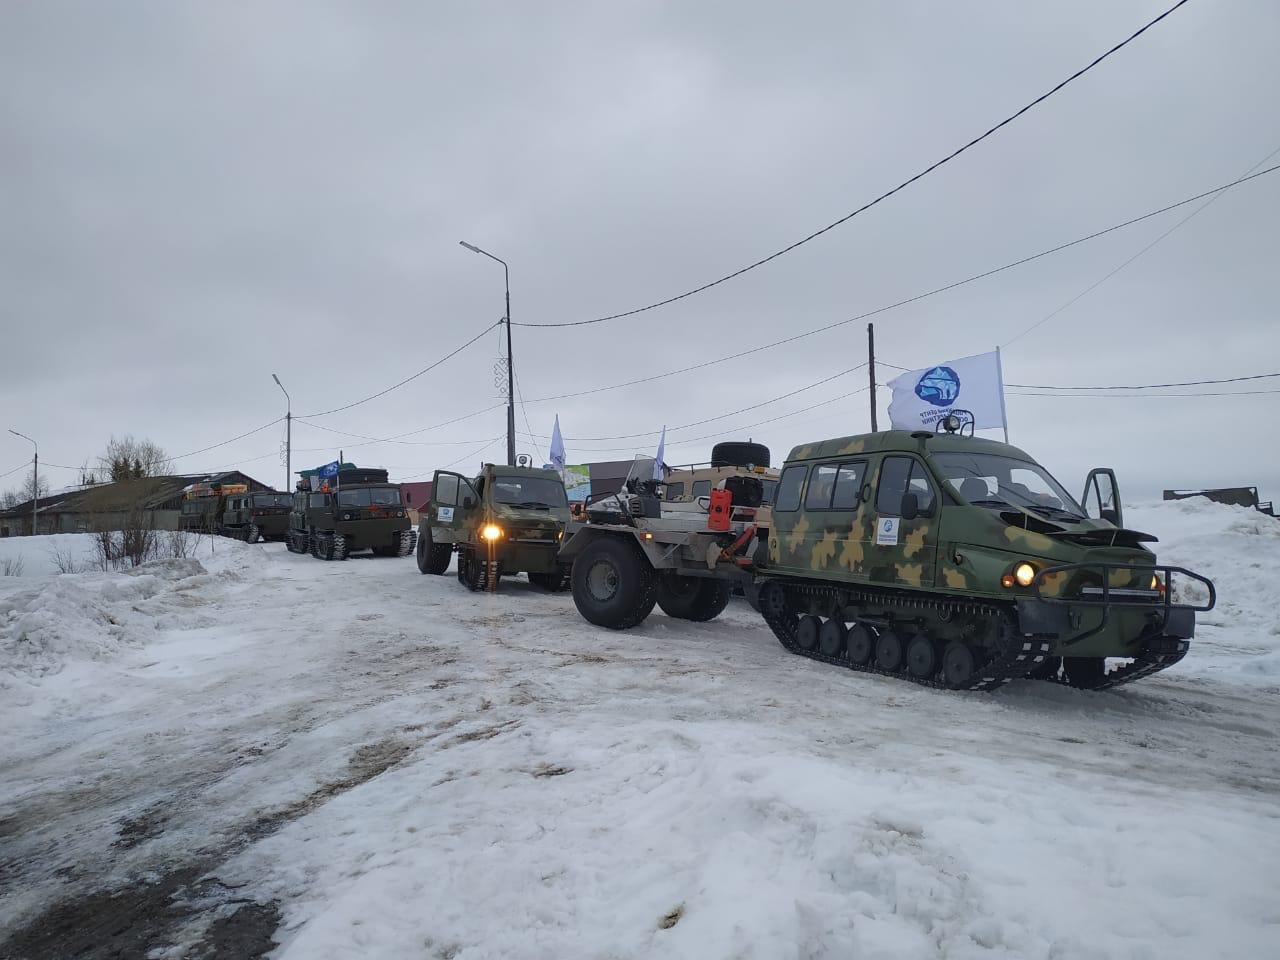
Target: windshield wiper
{"x":533,"y":505}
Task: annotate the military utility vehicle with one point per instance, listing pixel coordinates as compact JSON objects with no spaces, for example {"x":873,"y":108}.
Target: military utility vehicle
{"x":203,"y":505}
{"x":505,"y":520}
{"x":360,"y":510}
{"x":957,"y":561}
{"x":635,"y":550}
{"x":253,"y":516}
{"x":729,"y":459}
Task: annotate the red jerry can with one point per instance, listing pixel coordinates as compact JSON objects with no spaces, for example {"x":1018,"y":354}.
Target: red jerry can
{"x":720,"y":510}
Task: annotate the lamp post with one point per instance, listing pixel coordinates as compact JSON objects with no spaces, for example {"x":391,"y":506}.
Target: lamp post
{"x":288,"y":435}
{"x":35,"y":478}
{"x":511,"y":363}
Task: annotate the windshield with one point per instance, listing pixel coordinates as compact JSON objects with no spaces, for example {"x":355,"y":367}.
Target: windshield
{"x":529,"y":491}
{"x":990,"y":480}
{"x":369,"y":496}
{"x":770,"y":489}
{"x":271,"y":500}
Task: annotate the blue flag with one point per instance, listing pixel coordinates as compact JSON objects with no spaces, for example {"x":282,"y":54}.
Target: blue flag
{"x":328,"y":470}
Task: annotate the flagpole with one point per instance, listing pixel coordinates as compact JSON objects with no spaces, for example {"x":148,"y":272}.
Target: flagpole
{"x":1004,"y":415}
{"x":871,"y":366}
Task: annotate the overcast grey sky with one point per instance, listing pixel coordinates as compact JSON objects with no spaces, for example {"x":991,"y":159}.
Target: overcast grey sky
{"x":196,"y":195}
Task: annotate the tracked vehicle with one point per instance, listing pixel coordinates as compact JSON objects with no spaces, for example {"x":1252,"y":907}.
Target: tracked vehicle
{"x":360,"y":510}
{"x":952,"y":560}
{"x":505,"y":520}
{"x":203,"y":506}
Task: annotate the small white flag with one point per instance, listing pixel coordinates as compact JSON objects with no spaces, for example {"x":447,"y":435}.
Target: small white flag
{"x":923,"y":397}
{"x":658,"y":473}
{"x":557,"y":448}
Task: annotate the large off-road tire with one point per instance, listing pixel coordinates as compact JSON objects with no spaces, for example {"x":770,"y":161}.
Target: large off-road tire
{"x":476,"y":574}
{"x":432,"y":557}
{"x":252,"y":534}
{"x":340,"y":549}
{"x":692,"y":598}
{"x":613,"y":584}
{"x":739,"y":454}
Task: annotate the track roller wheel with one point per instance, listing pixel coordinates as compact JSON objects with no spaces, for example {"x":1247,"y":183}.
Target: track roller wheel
{"x":861,"y":644}
{"x":958,"y":665}
{"x":922,"y":657}
{"x":888,"y":651}
{"x":832,"y":638}
{"x":773,"y":599}
{"x":807,"y":632}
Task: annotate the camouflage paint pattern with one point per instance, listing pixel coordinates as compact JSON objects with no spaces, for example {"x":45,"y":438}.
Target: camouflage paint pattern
{"x":961,"y":549}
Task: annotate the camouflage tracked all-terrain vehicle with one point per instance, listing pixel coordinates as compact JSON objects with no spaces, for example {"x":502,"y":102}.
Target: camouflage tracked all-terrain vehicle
{"x":956,"y":561}
{"x":254,"y":516}
{"x":506,"y":520}
{"x":361,"y":510}
{"x":203,"y":506}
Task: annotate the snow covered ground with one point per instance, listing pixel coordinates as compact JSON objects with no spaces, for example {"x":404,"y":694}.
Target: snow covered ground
{"x":359,"y":761}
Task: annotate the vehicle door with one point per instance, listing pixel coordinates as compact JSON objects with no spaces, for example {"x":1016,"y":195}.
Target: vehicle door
{"x":453,"y":502}
{"x":320,"y":511}
{"x":903,"y":545}
{"x":828,"y":533}
{"x":1101,"y":499}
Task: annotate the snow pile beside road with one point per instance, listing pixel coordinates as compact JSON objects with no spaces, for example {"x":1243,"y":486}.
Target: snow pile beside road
{"x":47,"y":622}
{"x":1239,"y":550}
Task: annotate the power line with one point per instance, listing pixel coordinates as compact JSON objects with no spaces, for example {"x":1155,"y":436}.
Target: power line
{"x":361,"y":436}
{"x":1147,"y":386}
{"x":923,"y":296}
{"x":884,"y":196}
{"x":731,"y":413}
{"x":1141,"y":396}
{"x":396,"y":386}
{"x":467,"y":456}
{"x":214,"y":446}
{"x":1094,"y":286}
{"x":20,"y":466}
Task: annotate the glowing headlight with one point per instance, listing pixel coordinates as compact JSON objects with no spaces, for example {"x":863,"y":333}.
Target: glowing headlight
{"x":491,"y":531}
{"x":1024,"y":573}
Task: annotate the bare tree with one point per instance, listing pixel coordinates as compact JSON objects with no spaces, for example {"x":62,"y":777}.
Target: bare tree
{"x":127,"y":458}
{"x":25,"y":493}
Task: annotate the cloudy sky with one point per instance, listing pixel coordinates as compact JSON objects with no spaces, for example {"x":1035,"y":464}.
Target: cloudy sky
{"x":196,"y":195}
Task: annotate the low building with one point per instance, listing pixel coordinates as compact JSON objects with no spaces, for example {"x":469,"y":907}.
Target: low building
{"x":111,"y":506}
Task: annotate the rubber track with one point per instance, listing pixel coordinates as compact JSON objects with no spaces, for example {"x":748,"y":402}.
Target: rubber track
{"x":1142,"y":666}
{"x":408,"y":540}
{"x":339,"y":547}
{"x":1015,"y":655}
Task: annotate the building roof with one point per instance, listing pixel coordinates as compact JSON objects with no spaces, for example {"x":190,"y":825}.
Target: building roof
{"x":153,"y":493}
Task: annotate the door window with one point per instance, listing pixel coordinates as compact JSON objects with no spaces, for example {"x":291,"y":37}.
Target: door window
{"x":848,"y":490}
{"x":319,"y":500}
{"x":701,"y":488}
{"x":789,"y":486}
{"x":897,"y":476}
{"x":675,"y":491}
{"x":446,"y":489}
{"x":822,"y":481}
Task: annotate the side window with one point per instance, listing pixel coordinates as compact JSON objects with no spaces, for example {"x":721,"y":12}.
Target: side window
{"x":446,"y":490}
{"x":701,"y":488}
{"x":849,"y":485}
{"x":789,"y":488}
{"x":675,"y":490}
{"x":897,"y":476}
{"x":821,"y":482}
{"x":318,"y":499}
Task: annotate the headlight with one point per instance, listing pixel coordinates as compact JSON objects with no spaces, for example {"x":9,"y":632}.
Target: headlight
{"x":560,"y":535}
{"x":1024,"y":574}
{"x":491,"y":531}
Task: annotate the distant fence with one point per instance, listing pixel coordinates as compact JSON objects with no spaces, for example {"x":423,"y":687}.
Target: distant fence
{"x":1236,"y":496}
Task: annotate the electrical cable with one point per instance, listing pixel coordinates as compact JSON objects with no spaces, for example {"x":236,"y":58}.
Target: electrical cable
{"x":474,"y":453}
{"x":14,"y":470}
{"x":1094,"y":286}
{"x":1147,"y":386}
{"x":361,"y":436}
{"x":884,"y":196}
{"x":214,"y":446}
{"x":732,"y":413}
{"x":921,"y":296}
{"x":396,"y":386}
{"x":1142,"y":396}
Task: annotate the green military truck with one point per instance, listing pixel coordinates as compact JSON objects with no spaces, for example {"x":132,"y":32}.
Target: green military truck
{"x":505,"y":520}
{"x":254,"y":516}
{"x":359,"y":510}
{"x":956,"y":561}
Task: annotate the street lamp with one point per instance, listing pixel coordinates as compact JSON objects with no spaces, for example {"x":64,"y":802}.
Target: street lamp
{"x":511,"y":362}
{"x":288,"y":435}
{"x":35,"y":478}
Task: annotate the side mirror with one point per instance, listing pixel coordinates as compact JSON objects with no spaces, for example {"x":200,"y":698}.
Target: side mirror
{"x":910,"y":506}
{"x":468,"y":503}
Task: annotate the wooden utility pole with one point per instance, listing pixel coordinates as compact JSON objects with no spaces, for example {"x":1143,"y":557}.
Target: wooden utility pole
{"x":871,"y":371}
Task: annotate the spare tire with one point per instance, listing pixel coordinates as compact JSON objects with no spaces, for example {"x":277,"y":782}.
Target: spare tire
{"x":739,"y":454}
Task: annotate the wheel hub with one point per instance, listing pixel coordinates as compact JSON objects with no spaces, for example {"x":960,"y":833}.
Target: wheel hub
{"x":602,"y":581}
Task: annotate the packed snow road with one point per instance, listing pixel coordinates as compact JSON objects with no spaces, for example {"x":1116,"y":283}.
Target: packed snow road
{"x":263,"y":754}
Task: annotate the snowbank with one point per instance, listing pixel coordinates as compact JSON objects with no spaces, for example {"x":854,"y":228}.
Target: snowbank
{"x":1239,"y":550}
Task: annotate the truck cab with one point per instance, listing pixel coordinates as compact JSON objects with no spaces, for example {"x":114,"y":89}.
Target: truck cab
{"x":504,"y":520}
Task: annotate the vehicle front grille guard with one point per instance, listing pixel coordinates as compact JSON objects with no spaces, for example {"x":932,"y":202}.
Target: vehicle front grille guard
{"x":1113,"y":597}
